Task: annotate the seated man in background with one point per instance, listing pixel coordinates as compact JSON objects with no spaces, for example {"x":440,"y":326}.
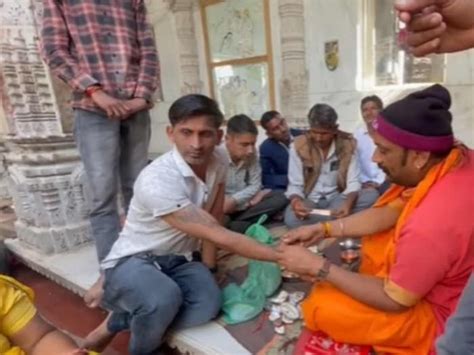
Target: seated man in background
{"x":324,"y":172}
{"x":274,"y":151}
{"x":418,"y":245}
{"x":23,"y":330}
{"x":245,"y":201}
{"x":371,"y":176}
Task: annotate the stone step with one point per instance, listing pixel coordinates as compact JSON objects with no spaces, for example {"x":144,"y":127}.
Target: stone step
{"x":78,"y":270}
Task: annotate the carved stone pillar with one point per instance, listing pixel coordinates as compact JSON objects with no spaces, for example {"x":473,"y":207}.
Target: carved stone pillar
{"x":44,"y":167}
{"x":294,"y":82}
{"x":4,"y":191}
{"x":187,"y":45}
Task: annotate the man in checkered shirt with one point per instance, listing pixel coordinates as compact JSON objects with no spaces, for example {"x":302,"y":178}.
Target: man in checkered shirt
{"x":105,"y":51}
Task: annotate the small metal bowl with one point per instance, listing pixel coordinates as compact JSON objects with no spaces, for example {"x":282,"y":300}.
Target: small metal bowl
{"x":349,"y":243}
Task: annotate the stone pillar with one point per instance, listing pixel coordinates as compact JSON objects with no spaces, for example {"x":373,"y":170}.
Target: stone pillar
{"x":4,"y":191}
{"x":187,"y":45}
{"x":294,"y":82}
{"x":45,"y":173}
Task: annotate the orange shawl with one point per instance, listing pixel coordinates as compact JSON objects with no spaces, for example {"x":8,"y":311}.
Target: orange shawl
{"x":349,"y":321}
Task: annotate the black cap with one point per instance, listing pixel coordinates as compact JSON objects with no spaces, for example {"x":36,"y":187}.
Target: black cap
{"x":424,"y":112}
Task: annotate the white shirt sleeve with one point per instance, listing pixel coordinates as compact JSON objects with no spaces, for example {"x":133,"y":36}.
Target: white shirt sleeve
{"x":353,"y":176}
{"x":357,"y":135}
{"x":369,"y":171}
{"x":162,"y":192}
{"x":380,"y":178}
{"x":295,"y":174}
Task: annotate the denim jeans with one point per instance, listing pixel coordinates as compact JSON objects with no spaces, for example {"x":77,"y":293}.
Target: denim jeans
{"x":112,"y":151}
{"x":458,"y":337}
{"x":149,"y":294}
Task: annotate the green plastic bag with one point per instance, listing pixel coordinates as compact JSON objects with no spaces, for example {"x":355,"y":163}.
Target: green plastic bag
{"x":244,"y":302}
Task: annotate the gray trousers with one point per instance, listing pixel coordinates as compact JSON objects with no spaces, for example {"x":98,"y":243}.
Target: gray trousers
{"x":112,"y":152}
{"x":365,"y":199}
{"x":271,"y":204}
{"x":458,"y":337}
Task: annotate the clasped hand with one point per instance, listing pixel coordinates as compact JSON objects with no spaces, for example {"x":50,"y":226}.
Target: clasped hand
{"x":116,"y":108}
{"x":293,"y":255}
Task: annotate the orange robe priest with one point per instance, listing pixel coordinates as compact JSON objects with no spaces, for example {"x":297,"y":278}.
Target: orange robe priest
{"x":425,"y":261}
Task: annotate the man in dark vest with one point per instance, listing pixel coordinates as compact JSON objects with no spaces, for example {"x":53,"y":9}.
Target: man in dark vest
{"x":324,"y":173}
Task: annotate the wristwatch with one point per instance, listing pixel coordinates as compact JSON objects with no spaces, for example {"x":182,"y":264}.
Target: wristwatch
{"x":323,"y":272}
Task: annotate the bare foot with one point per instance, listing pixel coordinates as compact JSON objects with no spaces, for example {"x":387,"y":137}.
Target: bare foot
{"x":93,"y":296}
{"x":99,"y":338}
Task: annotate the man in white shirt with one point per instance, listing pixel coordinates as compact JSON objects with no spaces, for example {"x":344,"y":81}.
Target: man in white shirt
{"x":324,"y":172}
{"x":371,"y":176}
{"x":245,"y":201}
{"x":154,"y":277}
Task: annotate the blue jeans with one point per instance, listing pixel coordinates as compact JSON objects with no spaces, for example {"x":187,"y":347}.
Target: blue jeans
{"x":458,"y":337}
{"x":149,"y":294}
{"x":112,"y":151}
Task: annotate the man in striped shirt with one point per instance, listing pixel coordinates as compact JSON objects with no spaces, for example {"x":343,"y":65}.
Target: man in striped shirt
{"x":105,"y":50}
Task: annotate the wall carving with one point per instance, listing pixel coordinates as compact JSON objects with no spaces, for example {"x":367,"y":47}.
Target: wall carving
{"x":47,"y":187}
{"x":28,"y":94}
{"x":16,"y":13}
{"x":294,"y":82}
{"x":46,"y":178}
{"x":187,"y":45}
{"x":4,"y":191}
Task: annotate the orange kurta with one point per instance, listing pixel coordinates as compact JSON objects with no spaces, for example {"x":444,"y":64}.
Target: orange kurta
{"x":349,"y":321}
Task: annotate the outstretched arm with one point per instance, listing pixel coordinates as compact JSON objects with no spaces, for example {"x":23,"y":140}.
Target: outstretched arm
{"x":198,"y":223}
{"x":366,"y":222}
{"x":370,"y":221}
{"x":209,"y":249}
{"x":369,"y":290}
